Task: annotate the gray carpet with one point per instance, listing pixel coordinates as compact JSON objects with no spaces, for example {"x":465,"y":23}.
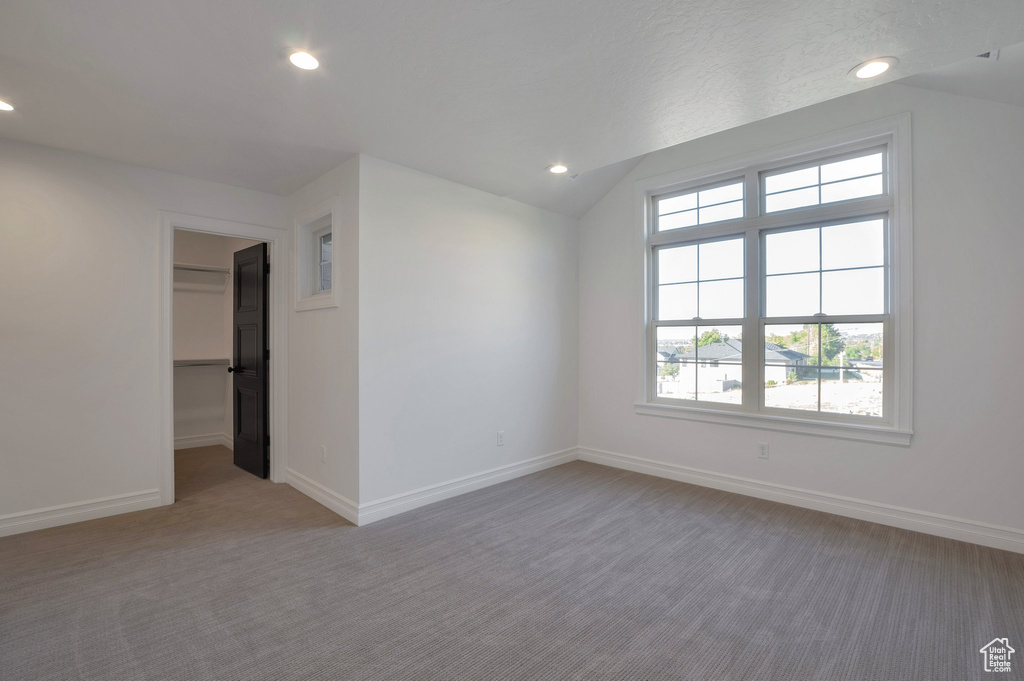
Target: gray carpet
{"x":578,"y":572}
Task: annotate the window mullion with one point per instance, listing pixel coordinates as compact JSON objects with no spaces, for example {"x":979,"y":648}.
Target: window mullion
{"x":752,"y":293}
{"x":751,"y":348}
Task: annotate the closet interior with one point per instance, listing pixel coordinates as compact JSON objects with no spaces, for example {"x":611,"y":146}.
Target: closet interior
{"x":203,"y":293}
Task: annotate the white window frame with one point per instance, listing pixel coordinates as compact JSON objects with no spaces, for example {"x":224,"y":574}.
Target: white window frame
{"x":895,"y":426}
{"x":308,"y":227}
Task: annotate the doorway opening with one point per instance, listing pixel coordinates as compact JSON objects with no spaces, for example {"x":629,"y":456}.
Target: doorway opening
{"x":210,"y":289}
{"x":223,"y":328}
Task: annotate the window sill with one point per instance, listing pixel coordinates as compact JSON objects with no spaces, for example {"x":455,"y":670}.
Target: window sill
{"x":316,"y":302}
{"x":844,"y":431}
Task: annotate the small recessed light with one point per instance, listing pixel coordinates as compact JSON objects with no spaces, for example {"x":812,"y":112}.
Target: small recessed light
{"x":558,"y":168}
{"x":873,"y":68}
{"x":304,"y":60}
{"x":4,"y":106}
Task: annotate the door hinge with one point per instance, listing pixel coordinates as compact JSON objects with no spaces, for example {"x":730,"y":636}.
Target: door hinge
{"x":268,"y":440}
{"x":268,"y":268}
{"x":268,"y":354}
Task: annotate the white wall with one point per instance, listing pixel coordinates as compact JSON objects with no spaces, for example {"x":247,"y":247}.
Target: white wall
{"x":457,"y":318}
{"x":80,"y":407}
{"x":470,"y":301}
{"x":460,"y":315}
{"x":323,"y":396}
{"x":467,"y":326}
{"x":202,"y":330}
{"x":965,"y":460}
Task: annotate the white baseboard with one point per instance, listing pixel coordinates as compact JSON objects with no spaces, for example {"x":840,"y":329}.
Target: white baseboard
{"x":400,"y":503}
{"x":27,"y":521}
{"x":362,"y":514}
{"x":961,"y":529}
{"x":208,"y":440}
{"x":344,"y":507}
{"x":995,"y":536}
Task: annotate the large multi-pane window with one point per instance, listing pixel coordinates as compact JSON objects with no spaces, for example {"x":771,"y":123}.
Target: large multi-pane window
{"x":770,"y":289}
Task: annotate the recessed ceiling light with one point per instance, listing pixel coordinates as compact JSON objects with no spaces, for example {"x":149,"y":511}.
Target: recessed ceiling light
{"x":873,"y":68}
{"x":558,"y":168}
{"x":304,"y":60}
{"x":4,"y":106}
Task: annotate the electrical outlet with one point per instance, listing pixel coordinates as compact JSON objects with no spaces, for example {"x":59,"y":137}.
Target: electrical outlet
{"x":501,"y":438}
{"x":323,"y":453}
{"x":762,"y":450}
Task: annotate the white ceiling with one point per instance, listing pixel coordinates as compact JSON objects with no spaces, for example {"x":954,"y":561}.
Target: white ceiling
{"x":1000,"y":80}
{"x":484,"y":92}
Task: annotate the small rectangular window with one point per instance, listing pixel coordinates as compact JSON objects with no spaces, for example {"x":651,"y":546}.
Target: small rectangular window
{"x":840,"y":180}
{"x":316,"y":284}
{"x":700,"y":207}
{"x":324,"y":283}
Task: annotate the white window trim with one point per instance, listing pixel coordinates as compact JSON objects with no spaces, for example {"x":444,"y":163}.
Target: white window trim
{"x":894,"y":130}
{"x":306,"y":226}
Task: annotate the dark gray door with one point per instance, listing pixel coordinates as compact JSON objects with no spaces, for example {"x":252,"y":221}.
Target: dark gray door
{"x":250,"y":358}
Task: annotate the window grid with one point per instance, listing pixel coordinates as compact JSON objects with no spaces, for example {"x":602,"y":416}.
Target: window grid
{"x":697,"y":363}
{"x":754,"y":400}
{"x":699,"y":207}
{"x":817,"y":165}
{"x":697,"y":281}
{"x":822,"y":270}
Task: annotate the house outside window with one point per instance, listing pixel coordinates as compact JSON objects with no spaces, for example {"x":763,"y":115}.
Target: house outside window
{"x":776,"y":288}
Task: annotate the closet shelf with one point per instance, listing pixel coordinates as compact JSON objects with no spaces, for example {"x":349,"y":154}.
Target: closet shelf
{"x":201,"y":268}
{"x":200,"y":277}
{"x":202,"y":363}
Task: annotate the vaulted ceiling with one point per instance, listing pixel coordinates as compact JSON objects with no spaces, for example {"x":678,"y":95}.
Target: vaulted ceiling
{"x":483,"y":92}
{"x":999,"y":78}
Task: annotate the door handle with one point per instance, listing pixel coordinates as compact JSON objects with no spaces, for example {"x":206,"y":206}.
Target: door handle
{"x":233,"y":369}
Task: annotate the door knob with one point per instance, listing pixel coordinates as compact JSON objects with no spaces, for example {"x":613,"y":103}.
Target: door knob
{"x":232,"y":369}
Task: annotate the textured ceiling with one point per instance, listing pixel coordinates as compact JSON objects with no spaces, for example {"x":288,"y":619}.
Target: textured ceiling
{"x":483,"y":92}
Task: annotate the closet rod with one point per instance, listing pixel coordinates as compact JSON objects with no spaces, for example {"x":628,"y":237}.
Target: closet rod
{"x":203,"y":268}
{"x":202,"y":363}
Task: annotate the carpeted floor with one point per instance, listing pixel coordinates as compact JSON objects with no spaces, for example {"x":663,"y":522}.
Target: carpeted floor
{"x":577,"y":572}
